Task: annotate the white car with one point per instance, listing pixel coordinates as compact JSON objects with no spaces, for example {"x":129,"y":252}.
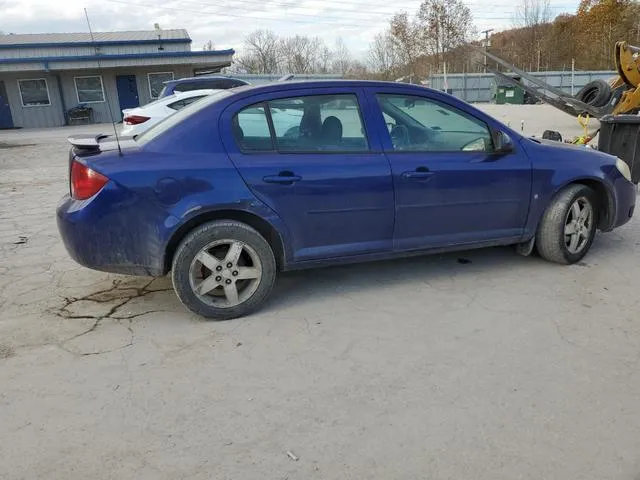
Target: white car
{"x":139,"y":119}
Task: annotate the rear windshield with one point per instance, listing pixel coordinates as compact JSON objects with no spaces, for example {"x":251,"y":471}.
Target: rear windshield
{"x":175,"y":118}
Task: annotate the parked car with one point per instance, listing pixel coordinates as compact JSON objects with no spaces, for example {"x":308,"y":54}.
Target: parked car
{"x":232,"y":189}
{"x":140,"y":119}
{"x":217,"y":82}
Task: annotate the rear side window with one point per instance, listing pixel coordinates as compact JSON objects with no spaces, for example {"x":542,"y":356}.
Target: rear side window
{"x":315,"y":123}
{"x":318,"y":123}
{"x":251,"y":129}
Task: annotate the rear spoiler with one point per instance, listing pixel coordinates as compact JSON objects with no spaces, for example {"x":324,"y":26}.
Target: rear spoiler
{"x":93,"y":144}
{"x":86,"y":143}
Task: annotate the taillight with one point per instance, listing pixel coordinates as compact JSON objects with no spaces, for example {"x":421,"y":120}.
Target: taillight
{"x":85,"y":183}
{"x":135,"y":119}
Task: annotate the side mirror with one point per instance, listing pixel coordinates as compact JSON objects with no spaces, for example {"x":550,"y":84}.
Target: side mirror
{"x":502,"y":143}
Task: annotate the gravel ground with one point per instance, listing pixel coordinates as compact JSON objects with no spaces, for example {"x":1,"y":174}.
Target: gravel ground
{"x":478,"y":365}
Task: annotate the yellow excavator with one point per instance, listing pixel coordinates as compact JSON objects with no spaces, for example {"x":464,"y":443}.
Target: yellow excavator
{"x":628,"y":80}
{"x":615,"y":104}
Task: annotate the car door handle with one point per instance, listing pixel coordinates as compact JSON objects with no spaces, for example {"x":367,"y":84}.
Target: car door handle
{"x":418,"y":173}
{"x":284,"y":178}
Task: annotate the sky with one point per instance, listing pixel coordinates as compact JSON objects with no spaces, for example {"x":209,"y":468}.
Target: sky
{"x":226,"y":23}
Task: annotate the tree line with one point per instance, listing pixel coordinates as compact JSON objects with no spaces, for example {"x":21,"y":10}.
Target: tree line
{"x":439,"y":33}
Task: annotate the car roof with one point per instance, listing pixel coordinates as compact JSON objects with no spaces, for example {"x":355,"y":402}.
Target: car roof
{"x":310,"y":84}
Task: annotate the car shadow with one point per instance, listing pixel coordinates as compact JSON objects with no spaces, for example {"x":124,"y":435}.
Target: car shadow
{"x":296,"y":287}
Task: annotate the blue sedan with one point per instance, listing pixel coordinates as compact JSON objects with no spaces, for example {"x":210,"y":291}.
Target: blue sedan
{"x":234,"y":188}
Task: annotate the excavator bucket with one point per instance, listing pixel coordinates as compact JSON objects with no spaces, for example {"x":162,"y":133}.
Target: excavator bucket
{"x":628,"y":63}
{"x":628,"y":66}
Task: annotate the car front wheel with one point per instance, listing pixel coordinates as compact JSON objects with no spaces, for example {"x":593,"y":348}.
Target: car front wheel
{"x":568,"y":226}
{"x":223,"y":269}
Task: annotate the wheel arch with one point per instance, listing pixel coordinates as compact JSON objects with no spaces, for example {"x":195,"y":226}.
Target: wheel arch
{"x":262,"y":226}
{"x":606,"y":202}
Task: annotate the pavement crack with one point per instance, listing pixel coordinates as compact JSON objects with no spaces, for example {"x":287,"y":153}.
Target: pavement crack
{"x":118,"y":292}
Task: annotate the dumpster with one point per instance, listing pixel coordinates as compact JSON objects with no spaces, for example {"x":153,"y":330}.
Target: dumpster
{"x":619,"y":136}
{"x":508,"y":93}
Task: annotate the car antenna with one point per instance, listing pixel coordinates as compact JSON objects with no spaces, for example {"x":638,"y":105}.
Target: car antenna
{"x":95,"y":49}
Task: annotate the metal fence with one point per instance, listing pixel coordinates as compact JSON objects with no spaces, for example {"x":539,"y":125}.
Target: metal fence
{"x":480,"y":87}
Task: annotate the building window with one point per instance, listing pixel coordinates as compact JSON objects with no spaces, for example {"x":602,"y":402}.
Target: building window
{"x":156,"y":82}
{"x":34,"y":93}
{"x":89,"y":89}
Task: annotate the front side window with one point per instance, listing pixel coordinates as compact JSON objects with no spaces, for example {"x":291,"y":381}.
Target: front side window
{"x":322,"y":123}
{"x":34,"y":93}
{"x":421,"y":124}
{"x":89,"y":89}
{"x":156,"y":82}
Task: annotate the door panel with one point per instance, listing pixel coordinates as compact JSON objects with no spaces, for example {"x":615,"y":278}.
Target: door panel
{"x":127,"y":92}
{"x":336,"y":198}
{"x":460,"y":192}
{"x":6,"y":120}
{"x":460,"y":199}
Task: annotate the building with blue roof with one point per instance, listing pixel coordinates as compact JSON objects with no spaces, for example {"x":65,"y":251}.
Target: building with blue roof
{"x":45,"y":77}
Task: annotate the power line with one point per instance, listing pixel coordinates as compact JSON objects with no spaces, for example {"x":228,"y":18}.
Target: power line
{"x":340,"y":7}
{"x":245,"y":17}
{"x":317,"y":18}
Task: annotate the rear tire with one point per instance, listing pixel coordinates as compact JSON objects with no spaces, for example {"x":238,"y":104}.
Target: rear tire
{"x":568,"y":226}
{"x":223,"y":270}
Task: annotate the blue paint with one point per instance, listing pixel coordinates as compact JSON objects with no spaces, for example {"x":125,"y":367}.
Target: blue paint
{"x":345,"y":207}
{"x":6,"y":120}
{"x":127,"y":91}
{"x":127,"y":56}
{"x":110,"y":43}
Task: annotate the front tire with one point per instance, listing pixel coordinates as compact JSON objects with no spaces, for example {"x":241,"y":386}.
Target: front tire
{"x":568,"y":226}
{"x":223,"y":270}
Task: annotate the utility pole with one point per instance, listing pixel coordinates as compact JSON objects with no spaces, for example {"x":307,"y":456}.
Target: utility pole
{"x":573,"y":71}
{"x":487,"y":44}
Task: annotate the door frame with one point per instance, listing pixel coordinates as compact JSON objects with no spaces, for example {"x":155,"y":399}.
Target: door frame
{"x":492,"y":124}
{"x":375,"y":147}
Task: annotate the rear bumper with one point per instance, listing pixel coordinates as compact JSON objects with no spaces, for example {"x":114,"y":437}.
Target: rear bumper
{"x":96,"y":236}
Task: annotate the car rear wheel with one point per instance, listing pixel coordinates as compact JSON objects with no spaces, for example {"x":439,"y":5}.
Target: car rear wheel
{"x":223,"y":269}
{"x":568,"y":226}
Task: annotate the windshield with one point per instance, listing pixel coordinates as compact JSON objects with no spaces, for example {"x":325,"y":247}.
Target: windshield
{"x":179,"y":116}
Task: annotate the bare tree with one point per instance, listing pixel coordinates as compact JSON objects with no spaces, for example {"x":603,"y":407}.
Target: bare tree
{"x":531,"y":13}
{"x":444,"y":26}
{"x":382,"y":57}
{"x":208,"y":46}
{"x":262,"y":53}
{"x":404,"y":35}
{"x":304,"y":55}
{"x":532,"y":16}
{"x":342,"y":60}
